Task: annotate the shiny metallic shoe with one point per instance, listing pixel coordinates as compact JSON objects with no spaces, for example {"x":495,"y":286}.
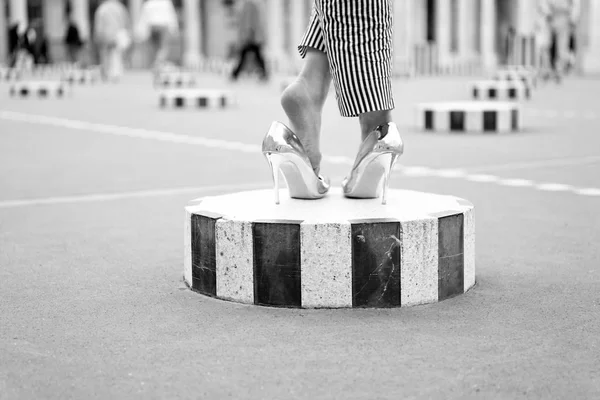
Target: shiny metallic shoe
{"x":375,"y":159}
{"x":284,"y":152}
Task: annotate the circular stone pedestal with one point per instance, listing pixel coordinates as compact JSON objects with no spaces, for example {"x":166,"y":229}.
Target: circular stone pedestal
{"x":332,"y":252}
{"x":469,"y":116}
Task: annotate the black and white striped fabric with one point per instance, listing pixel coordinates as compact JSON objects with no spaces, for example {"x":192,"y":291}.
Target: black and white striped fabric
{"x":41,"y":89}
{"x":316,"y":262}
{"x":500,"y":90}
{"x":475,"y":116}
{"x":175,"y":79}
{"x":357,"y":38}
{"x":196,"y":98}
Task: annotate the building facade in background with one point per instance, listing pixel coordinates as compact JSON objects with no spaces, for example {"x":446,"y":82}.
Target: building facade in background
{"x":431,"y":36}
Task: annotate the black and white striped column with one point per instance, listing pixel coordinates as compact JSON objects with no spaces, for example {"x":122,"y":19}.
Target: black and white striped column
{"x":469,"y":116}
{"x":38,"y":89}
{"x":196,"y":98}
{"x":330,"y":253}
{"x":500,"y":90}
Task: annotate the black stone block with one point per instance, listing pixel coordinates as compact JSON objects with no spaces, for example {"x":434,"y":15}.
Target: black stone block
{"x":277,"y":264}
{"x":204,"y":263}
{"x":457,"y":120}
{"x":514,"y":120}
{"x":490,"y":122}
{"x":451,"y":256}
{"x":376,"y":248}
{"x":428,"y":119}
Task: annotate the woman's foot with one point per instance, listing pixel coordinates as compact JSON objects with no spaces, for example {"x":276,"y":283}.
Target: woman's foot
{"x":304,"y":113}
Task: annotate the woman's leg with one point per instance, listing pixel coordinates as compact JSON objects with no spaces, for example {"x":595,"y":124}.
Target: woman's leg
{"x":303,"y":102}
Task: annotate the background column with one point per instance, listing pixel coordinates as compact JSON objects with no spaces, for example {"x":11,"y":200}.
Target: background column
{"x":3,"y":34}
{"x":465,"y":31}
{"x":81,"y":15}
{"x":488,"y":34}
{"x":591,"y":53}
{"x":137,"y":48}
{"x":55,"y":27}
{"x":403,"y":34}
{"x":298,"y":24}
{"x":18,"y":13}
{"x":443,"y":30}
{"x":275,"y":36}
{"x":191,"y":27}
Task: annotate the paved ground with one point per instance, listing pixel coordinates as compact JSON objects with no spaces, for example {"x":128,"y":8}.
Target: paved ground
{"x":92,"y":303}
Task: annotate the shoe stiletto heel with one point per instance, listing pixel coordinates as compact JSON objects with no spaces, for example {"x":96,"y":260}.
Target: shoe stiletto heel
{"x":391,"y":160}
{"x":374,"y":162}
{"x":285,"y":152}
{"x":274,"y":164}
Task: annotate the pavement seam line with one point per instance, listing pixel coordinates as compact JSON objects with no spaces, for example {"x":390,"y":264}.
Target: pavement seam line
{"x":414,"y":171}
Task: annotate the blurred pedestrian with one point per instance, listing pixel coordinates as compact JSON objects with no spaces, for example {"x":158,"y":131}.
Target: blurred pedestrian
{"x":111,"y":34}
{"x":35,"y":42}
{"x":508,"y":37}
{"x":543,"y":41}
{"x":572,"y":57}
{"x":15,"y":43}
{"x":158,"y":23}
{"x":562,"y":17}
{"x":73,"y":41}
{"x":251,"y":37}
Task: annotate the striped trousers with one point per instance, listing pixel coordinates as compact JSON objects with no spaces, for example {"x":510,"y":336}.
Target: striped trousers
{"x":357,"y":36}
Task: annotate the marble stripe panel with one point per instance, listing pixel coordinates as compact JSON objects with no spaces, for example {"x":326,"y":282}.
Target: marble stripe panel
{"x":504,"y":121}
{"x":187,"y":248}
{"x":234,"y":265}
{"x":376,"y":263}
{"x":326,"y":259}
{"x":473,"y":121}
{"x":277,"y":278}
{"x":469,"y":249}
{"x":450,"y":255}
{"x":419,"y":270}
{"x":441,"y":120}
{"x":204,"y":267}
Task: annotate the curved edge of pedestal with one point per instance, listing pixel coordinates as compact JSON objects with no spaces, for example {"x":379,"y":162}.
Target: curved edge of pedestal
{"x":362,"y":263}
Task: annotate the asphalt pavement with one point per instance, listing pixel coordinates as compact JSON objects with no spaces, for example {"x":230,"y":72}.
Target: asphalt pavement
{"x":92,"y":302}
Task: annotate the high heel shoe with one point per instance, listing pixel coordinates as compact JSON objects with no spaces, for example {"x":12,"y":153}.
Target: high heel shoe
{"x":375,"y":159}
{"x":285,"y":152}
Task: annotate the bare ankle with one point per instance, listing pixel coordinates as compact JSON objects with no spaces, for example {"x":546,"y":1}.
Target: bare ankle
{"x":371,"y":120}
